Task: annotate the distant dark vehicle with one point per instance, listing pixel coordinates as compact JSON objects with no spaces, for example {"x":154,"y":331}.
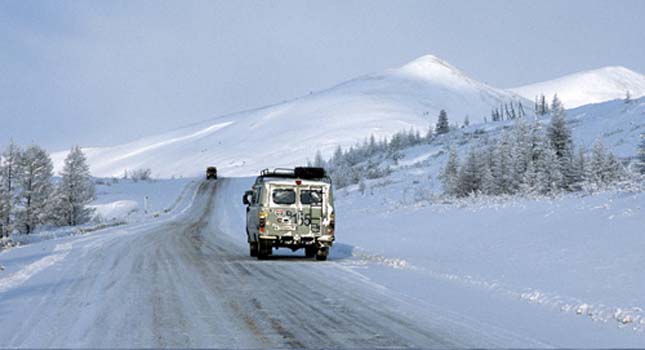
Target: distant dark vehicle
{"x":211,"y":173}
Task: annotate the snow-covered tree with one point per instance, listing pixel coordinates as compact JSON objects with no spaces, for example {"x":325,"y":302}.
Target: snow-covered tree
{"x":520,"y":110}
{"x":9,"y":173}
{"x":442,"y":123}
{"x":318,"y":160}
{"x":541,"y":106}
{"x":521,"y":152}
{"x":35,"y":188}
{"x":371,"y":146}
{"x":502,"y":166}
{"x":74,"y":191}
{"x":450,"y":173}
{"x":531,"y":179}
{"x":470,"y":176}
{"x":641,"y":155}
{"x":487,"y":180}
{"x":536,"y":140}
{"x":614,"y":169}
{"x":579,"y":170}
{"x":466,"y":121}
{"x":561,"y":141}
{"x":549,"y":177}
{"x":598,"y":163}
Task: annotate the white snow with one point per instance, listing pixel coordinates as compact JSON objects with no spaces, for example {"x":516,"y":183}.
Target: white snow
{"x":289,"y":133}
{"x":574,"y":254}
{"x":119,"y":203}
{"x":17,"y":278}
{"x":587,"y":87}
{"x":115,"y":210}
{"x":126,"y":199}
{"x":564,"y":271}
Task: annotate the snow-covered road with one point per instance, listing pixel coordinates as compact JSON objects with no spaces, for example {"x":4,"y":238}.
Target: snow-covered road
{"x":187,"y":281}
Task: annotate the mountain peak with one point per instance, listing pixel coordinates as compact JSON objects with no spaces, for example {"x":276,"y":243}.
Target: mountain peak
{"x":430,"y":67}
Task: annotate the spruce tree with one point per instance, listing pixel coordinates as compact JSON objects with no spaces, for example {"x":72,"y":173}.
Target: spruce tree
{"x":521,"y":153}
{"x":501,"y":167}
{"x":531,"y":179}
{"x":35,"y":188}
{"x":442,"y":123}
{"x":598,"y":163}
{"x":560,"y":138}
{"x":449,"y":175}
{"x":614,"y":170}
{"x":484,"y":162}
{"x":318,"y":160}
{"x":75,"y":190}
{"x":579,"y":170}
{"x":544,"y":106}
{"x":9,"y":173}
{"x":520,"y":110}
{"x":549,"y":177}
{"x":641,"y":155}
{"x":469,"y":181}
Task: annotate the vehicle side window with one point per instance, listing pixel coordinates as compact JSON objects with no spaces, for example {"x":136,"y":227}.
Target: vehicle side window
{"x":284,"y":196}
{"x":310,"y":197}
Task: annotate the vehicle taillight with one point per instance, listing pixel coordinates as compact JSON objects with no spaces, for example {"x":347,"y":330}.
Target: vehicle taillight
{"x":262,"y":220}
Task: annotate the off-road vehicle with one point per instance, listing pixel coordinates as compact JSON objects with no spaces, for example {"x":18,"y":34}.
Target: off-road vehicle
{"x":211,"y":173}
{"x":290,"y":208}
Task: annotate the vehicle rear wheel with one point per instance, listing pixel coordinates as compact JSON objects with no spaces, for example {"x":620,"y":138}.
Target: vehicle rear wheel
{"x":264,"y":249}
{"x":322,"y":253}
{"x":253,"y":249}
{"x":310,"y":251}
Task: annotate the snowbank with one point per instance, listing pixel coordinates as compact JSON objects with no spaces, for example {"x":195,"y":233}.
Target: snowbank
{"x":575,"y":254}
{"x":115,"y":210}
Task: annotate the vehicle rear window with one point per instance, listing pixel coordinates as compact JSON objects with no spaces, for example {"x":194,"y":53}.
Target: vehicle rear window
{"x":284,"y":196}
{"x":310,"y":197}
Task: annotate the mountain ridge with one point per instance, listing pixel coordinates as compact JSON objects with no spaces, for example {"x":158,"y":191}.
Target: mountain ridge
{"x":289,"y":133}
{"x":590,"y":86}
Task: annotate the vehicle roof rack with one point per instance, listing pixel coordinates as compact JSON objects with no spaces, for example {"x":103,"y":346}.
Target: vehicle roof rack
{"x":277,"y":172}
{"x":305,"y":173}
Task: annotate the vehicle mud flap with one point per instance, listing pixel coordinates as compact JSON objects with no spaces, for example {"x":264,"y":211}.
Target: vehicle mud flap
{"x":310,"y":251}
{"x":322,"y":253}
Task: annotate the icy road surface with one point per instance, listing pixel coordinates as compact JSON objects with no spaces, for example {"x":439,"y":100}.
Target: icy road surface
{"x":187,"y":281}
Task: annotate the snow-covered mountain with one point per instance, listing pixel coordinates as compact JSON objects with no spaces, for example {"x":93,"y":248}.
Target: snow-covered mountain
{"x":289,"y":133}
{"x":593,"y":86}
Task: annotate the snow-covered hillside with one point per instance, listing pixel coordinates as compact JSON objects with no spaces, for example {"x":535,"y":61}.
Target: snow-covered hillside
{"x":379,"y":104}
{"x":289,"y":133}
{"x":415,"y":173}
{"x":593,"y":86}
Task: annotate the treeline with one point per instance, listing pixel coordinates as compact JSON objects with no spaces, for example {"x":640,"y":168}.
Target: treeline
{"x":508,"y":111}
{"x":527,"y":158}
{"x":370,"y":159}
{"x":29,"y":196}
{"x":531,"y":159}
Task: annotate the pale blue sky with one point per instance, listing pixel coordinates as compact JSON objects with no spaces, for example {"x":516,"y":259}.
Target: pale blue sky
{"x":104,"y":72}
